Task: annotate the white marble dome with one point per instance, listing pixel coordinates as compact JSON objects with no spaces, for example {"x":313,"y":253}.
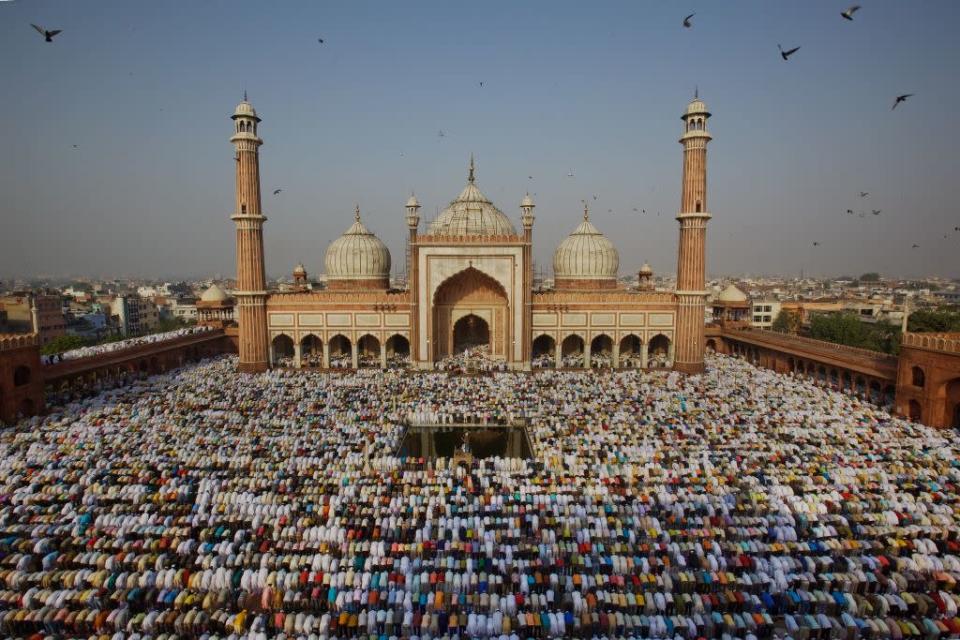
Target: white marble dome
{"x":586,"y":254}
{"x":245,"y":109}
{"x":471,"y":214}
{"x":213,"y":294}
{"x":732,"y":294}
{"x":357,"y":255}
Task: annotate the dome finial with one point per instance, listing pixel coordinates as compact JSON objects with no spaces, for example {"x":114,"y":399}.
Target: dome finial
{"x":245,"y":95}
{"x":356,"y":212}
{"x":586,"y":211}
{"x":696,"y":92}
{"x":470,"y":177}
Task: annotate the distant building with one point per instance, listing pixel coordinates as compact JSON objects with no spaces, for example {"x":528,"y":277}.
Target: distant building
{"x":763,"y":313}
{"x":29,"y":312}
{"x":135,"y":315}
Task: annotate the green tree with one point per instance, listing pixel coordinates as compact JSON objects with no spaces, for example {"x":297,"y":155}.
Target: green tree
{"x":62,"y":344}
{"x":786,"y":322}
{"x":847,"y":329}
{"x":933,"y":321}
{"x":871,"y":276}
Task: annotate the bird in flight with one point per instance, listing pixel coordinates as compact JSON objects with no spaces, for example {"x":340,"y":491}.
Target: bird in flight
{"x":849,"y":212}
{"x":816,"y":244}
{"x":276,"y":191}
{"x":916,"y":246}
{"x":76,"y":146}
{"x":320,"y":40}
{"x":789,"y":52}
{"x":686,"y":21}
{"x":441,"y":134}
{"x":594,"y":196}
{"x":876,"y":212}
{"x":900,"y":99}
{"x":956,"y":228}
{"x":481,"y":83}
{"x":864,"y":194}
{"x":634,"y":208}
{"x":47,"y":35}
{"x":570,"y":175}
{"x":529,"y":177}
{"x":849,"y":11}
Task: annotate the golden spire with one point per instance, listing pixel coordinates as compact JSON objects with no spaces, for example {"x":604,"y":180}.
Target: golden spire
{"x":470,"y":177}
{"x":356,"y":212}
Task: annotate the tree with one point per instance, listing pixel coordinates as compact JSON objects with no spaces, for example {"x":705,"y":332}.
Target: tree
{"x":62,"y":344}
{"x":871,"y":276}
{"x":933,"y":321}
{"x":786,"y":322}
{"x":847,"y":329}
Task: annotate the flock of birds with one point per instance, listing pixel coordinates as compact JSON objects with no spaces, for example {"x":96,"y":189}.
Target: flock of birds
{"x":785,"y":54}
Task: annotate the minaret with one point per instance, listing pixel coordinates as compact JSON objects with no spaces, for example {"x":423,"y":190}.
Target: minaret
{"x":693,"y":217}
{"x":413,"y":282}
{"x":526,"y":331}
{"x":251,"y":293}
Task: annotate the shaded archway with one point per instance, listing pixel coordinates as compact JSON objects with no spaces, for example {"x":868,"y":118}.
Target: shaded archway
{"x":470,"y":292}
{"x":282,"y":350}
{"x":398,"y":351}
{"x":953,"y":403}
{"x":847,"y":381}
{"x":631,"y":351}
{"x":21,"y":376}
{"x":311,"y":351}
{"x":711,"y":345}
{"x":889,"y":395}
{"x":834,"y":379}
{"x":469,"y":332}
{"x":544,"y":351}
{"x":368,"y":351}
{"x":917,"y":377}
{"x":341,"y":352}
{"x":572,"y":351}
{"x":875,"y":392}
{"x":601,"y":351}
{"x":861,"y":388}
{"x":914,"y":411}
{"x":658,"y":351}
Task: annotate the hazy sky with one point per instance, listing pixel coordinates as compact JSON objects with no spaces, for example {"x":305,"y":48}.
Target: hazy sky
{"x":145,"y":90}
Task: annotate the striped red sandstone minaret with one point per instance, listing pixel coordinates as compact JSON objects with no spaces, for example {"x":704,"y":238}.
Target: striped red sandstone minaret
{"x":251,"y":293}
{"x":693,"y":217}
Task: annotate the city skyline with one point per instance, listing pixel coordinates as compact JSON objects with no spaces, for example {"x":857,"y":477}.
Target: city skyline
{"x":589,"y":92}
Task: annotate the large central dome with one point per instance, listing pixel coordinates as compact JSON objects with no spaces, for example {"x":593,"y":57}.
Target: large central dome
{"x":471,"y":214}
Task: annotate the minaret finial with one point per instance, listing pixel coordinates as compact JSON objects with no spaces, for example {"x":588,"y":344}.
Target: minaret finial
{"x":356,"y":212}
{"x":696,"y":92}
{"x":470,"y":177}
{"x":586,"y":211}
{"x":244,"y":95}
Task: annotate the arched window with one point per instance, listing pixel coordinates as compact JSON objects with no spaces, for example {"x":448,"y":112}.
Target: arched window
{"x":918,"y":378}
{"x":699,"y":206}
{"x":21,"y":376}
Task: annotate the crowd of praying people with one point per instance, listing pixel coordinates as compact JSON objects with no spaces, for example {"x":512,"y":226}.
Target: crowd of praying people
{"x":110,"y":347}
{"x":739,"y":503}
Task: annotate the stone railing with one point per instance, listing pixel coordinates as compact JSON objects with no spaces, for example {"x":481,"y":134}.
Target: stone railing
{"x":776,"y":338}
{"x":10,"y":341}
{"x":943,"y":342}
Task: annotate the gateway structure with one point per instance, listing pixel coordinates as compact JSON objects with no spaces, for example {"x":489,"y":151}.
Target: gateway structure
{"x":470,"y":283}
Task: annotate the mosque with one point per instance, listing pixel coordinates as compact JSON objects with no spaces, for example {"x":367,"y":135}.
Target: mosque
{"x":470,"y":283}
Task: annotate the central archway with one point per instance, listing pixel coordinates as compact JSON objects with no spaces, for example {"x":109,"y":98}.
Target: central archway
{"x":470,"y":308}
{"x":470,"y":331}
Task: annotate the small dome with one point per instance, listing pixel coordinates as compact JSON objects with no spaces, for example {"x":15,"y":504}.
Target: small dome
{"x":357,"y":255}
{"x":698,"y":107}
{"x":586,"y":254}
{"x":471,"y":213}
{"x":412,"y":201}
{"x":527,"y":201}
{"x":245,"y":109}
{"x":300,"y":270}
{"x":214,"y":294}
{"x":646,"y":270}
{"x":732,"y":294}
